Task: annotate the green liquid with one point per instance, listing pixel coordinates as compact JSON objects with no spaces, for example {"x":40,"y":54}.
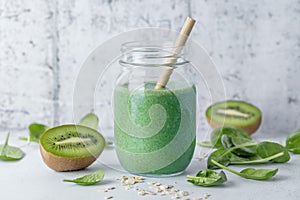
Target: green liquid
{"x":155,"y":130}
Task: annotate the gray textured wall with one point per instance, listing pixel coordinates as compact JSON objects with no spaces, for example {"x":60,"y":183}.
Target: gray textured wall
{"x":255,"y":44}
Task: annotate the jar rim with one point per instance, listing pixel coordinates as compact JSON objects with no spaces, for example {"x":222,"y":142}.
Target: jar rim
{"x":148,"y":43}
{"x":151,"y":54}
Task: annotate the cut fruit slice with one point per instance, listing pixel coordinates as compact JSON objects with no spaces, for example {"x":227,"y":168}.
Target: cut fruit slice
{"x":237,"y":114}
{"x":71,"y":147}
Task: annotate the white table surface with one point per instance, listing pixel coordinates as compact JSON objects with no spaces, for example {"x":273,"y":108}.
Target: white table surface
{"x":31,"y":179}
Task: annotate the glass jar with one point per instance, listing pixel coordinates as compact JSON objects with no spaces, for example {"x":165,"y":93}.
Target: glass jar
{"x":154,"y":129}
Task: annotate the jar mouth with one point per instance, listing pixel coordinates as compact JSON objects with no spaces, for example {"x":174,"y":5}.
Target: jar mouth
{"x":148,"y":43}
{"x":152,"y":54}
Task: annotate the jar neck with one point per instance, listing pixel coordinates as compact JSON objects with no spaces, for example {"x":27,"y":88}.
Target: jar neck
{"x":150,"y":54}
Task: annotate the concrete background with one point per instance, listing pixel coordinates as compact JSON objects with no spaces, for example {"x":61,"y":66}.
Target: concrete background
{"x":255,"y":45}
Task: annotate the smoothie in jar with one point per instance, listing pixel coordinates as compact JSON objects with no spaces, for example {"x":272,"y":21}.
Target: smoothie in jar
{"x":155,"y":130}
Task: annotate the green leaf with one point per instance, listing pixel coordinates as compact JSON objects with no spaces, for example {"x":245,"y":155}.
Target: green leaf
{"x":267,"y":149}
{"x":226,"y":156}
{"x":90,"y":120}
{"x":293,"y":142}
{"x":226,"y":141}
{"x":216,"y":135}
{"x":239,"y":160}
{"x":89,"y":179}
{"x":258,"y":174}
{"x":250,"y":173}
{"x":208,"y":178}
{"x":243,"y":150}
{"x":253,"y":160}
{"x":206,"y":144}
{"x":10,"y":153}
{"x":221,"y":156}
{"x":35,"y":131}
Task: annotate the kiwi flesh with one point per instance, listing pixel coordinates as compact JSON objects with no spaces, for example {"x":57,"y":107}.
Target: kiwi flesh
{"x":233,"y":113}
{"x":70,"y":147}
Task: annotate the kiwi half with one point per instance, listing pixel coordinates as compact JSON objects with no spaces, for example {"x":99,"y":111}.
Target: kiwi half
{"x":238,"y":114}
{"x":70,"y":147}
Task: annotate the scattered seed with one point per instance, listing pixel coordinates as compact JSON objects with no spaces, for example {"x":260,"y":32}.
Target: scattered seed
{"x":108,"y":197}
{"x":158,"y":190}
{"x":144,"y":192}
{"x":173,"y":190}
{"x":130,"y":180}
{"x":165,"y":187}
{"x":204,"y":155}
{"x":176,"y":196}
{"x":206,"y":195}
{"x":155,"y":188}
{"x":183,"y":193}
{"x":140,"y":192}
{"x":157,"y":184}
{"x":197,"y":198}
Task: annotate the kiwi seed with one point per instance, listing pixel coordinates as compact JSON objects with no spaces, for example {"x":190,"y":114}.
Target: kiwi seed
{"x":234,"y":113}
{"x":70,"y":147}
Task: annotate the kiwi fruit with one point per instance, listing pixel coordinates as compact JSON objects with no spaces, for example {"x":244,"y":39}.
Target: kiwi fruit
{"x":237,"y":114}
{"x":70,"y":147}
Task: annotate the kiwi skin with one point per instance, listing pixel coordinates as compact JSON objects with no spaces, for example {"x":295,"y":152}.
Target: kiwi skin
{"x":62,"y":164}
{"x":248,"y":129}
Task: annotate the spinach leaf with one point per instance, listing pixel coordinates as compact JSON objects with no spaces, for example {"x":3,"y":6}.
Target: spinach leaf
{"x":89,"y":179}
{"x":90,"y":120}
{"x":35,"y":131}
{"x":293,"y":142}
{"x":258,"y":174}
{"x":253,"y":160}
{"x":207,"y":178}
{"x":206,"y":144}
{"x":250,"y":173}
{"x":10,"y":153}
{"x":220,"y":155}
{"x":267,"y":149}
{"x":241,"y":150}
{"x":226,"y":141}
{"x":239,"y":160}
{"x":216,"y":135}
{"x":227,"y":157}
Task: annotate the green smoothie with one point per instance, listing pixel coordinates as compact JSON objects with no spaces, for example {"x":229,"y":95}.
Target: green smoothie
{"x":155,"y":130}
